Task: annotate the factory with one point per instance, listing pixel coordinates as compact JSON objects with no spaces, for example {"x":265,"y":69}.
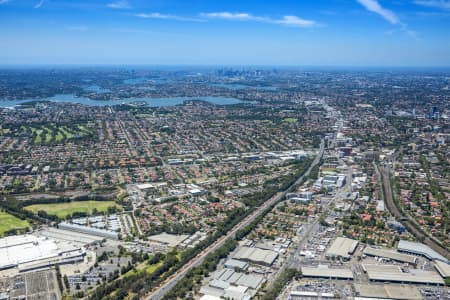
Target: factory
{"x":387,"y":291}
{"x":391,"y":255}
{"x":90,"y":230}
{"x":443,"y":268}
{"x":301,"y":295}
{"x":256,"y":255}
{"x":322,"y":271}
{"x":229,"y":284}
{"x":392,"y":273}
{"x":29,"y":252}
{"x":342,"y":248}
{"x":420,"y":249}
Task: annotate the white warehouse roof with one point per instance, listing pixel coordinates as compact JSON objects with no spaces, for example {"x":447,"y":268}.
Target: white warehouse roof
{"x":420,"y":249}
{"x":342,"y":247}
{"x":394,"y":273}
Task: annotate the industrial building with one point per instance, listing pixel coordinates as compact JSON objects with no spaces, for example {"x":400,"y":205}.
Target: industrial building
{"x":322,"y":271}
{"x":29,"y":252}
{"x":400,"y":257}
{"x":302,"y":295}
{"x":342,"y":248}
{"x":387,"y":291}
{"x":420,"y":249}
{"x":229,"y":284}
{"x":90,"y":230}
{"x":256,"y":255}
{"x":443,"y":268}
{"x":392,"y":273}
{"x":235,"y":264}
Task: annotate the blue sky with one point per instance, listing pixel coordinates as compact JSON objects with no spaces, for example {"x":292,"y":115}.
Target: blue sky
{"x":226,"y":32}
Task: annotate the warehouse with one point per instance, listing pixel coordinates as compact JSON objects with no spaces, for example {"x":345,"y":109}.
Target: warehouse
{"x":27,"y":252}
{"x":420,"y":249}
{"x":324,"y":272}
{"x":388,"y":291}
{"x":302,"y":295}
{"x":404,"y":258}
{"x":392,"y":273}
{"x":443,"y":268}
{"x":236,"y":264}
{"x":256,"y":255}
{"x":89,"y":230}
{"x":342,"y":248}
{"x":252,"y":280}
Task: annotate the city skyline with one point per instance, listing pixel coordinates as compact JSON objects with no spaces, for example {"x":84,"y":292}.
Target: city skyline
{"x":323,"y":33}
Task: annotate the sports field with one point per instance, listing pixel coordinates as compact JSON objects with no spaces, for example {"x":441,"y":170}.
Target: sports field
{"x":62,"y":210}
{"x":9,"y":222}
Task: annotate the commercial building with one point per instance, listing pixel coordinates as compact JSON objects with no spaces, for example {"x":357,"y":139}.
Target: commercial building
{"x":392,"y":273}
{"x":322,"y":271}
{"x":400,"y":257}
{"x":342,"y":248}
{"x":28,"y":252}
{"x":420,"y":249}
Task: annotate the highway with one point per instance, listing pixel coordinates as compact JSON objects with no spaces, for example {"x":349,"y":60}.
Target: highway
{"x":171,"y":281}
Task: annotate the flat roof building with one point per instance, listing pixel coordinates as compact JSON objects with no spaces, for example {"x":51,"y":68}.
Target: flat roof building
{"x":89,"y":230}
{"x":400,"y":257}
{"x":420,"y":249}
{"x":256,"y":255}
{"x":27,"y":252}
{"x":392,"y":273}
{"x":236,"y":264}
{"x":342,"y":248}
{"x":443,"y":268}
{"x":322,"y":271}
{"x":388,"y":291}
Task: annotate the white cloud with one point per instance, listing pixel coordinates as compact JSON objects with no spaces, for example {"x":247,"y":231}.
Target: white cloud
{"x":39,"y":4}
{"x":232,"y":16}
{"x":375,"y":6}
{"x":121,"y":4}
{"x":442,"y":4}
{"x":3,"y":1}
{"x":286,"y":20}
{"x":156,"y":15}
{"x":295,"y":22}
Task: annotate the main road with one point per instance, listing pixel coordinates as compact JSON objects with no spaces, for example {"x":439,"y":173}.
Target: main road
{"x":171,"y":281}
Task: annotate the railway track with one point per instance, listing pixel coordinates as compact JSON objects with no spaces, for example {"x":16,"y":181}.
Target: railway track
{"x":406,"y":220}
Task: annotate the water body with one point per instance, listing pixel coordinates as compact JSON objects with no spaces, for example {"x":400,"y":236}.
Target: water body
{"x":139,"y":80}
{"x":238,"y":86}
{"x":152,"y":102}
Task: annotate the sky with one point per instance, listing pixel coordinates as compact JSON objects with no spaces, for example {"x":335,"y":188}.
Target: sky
{"x":406,"y":33}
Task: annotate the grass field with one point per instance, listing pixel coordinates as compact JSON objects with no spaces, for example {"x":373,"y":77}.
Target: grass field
{"x":62,"y":210}
{"x":291,"y":120}
{"x":47,"y":134}
{"x":9,"y":222}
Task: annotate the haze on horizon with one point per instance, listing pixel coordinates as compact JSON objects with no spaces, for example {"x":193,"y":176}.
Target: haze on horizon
{"x":409,"y":33}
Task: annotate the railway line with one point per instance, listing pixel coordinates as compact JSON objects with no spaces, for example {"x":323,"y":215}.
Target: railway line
{"x":406,"y":220}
